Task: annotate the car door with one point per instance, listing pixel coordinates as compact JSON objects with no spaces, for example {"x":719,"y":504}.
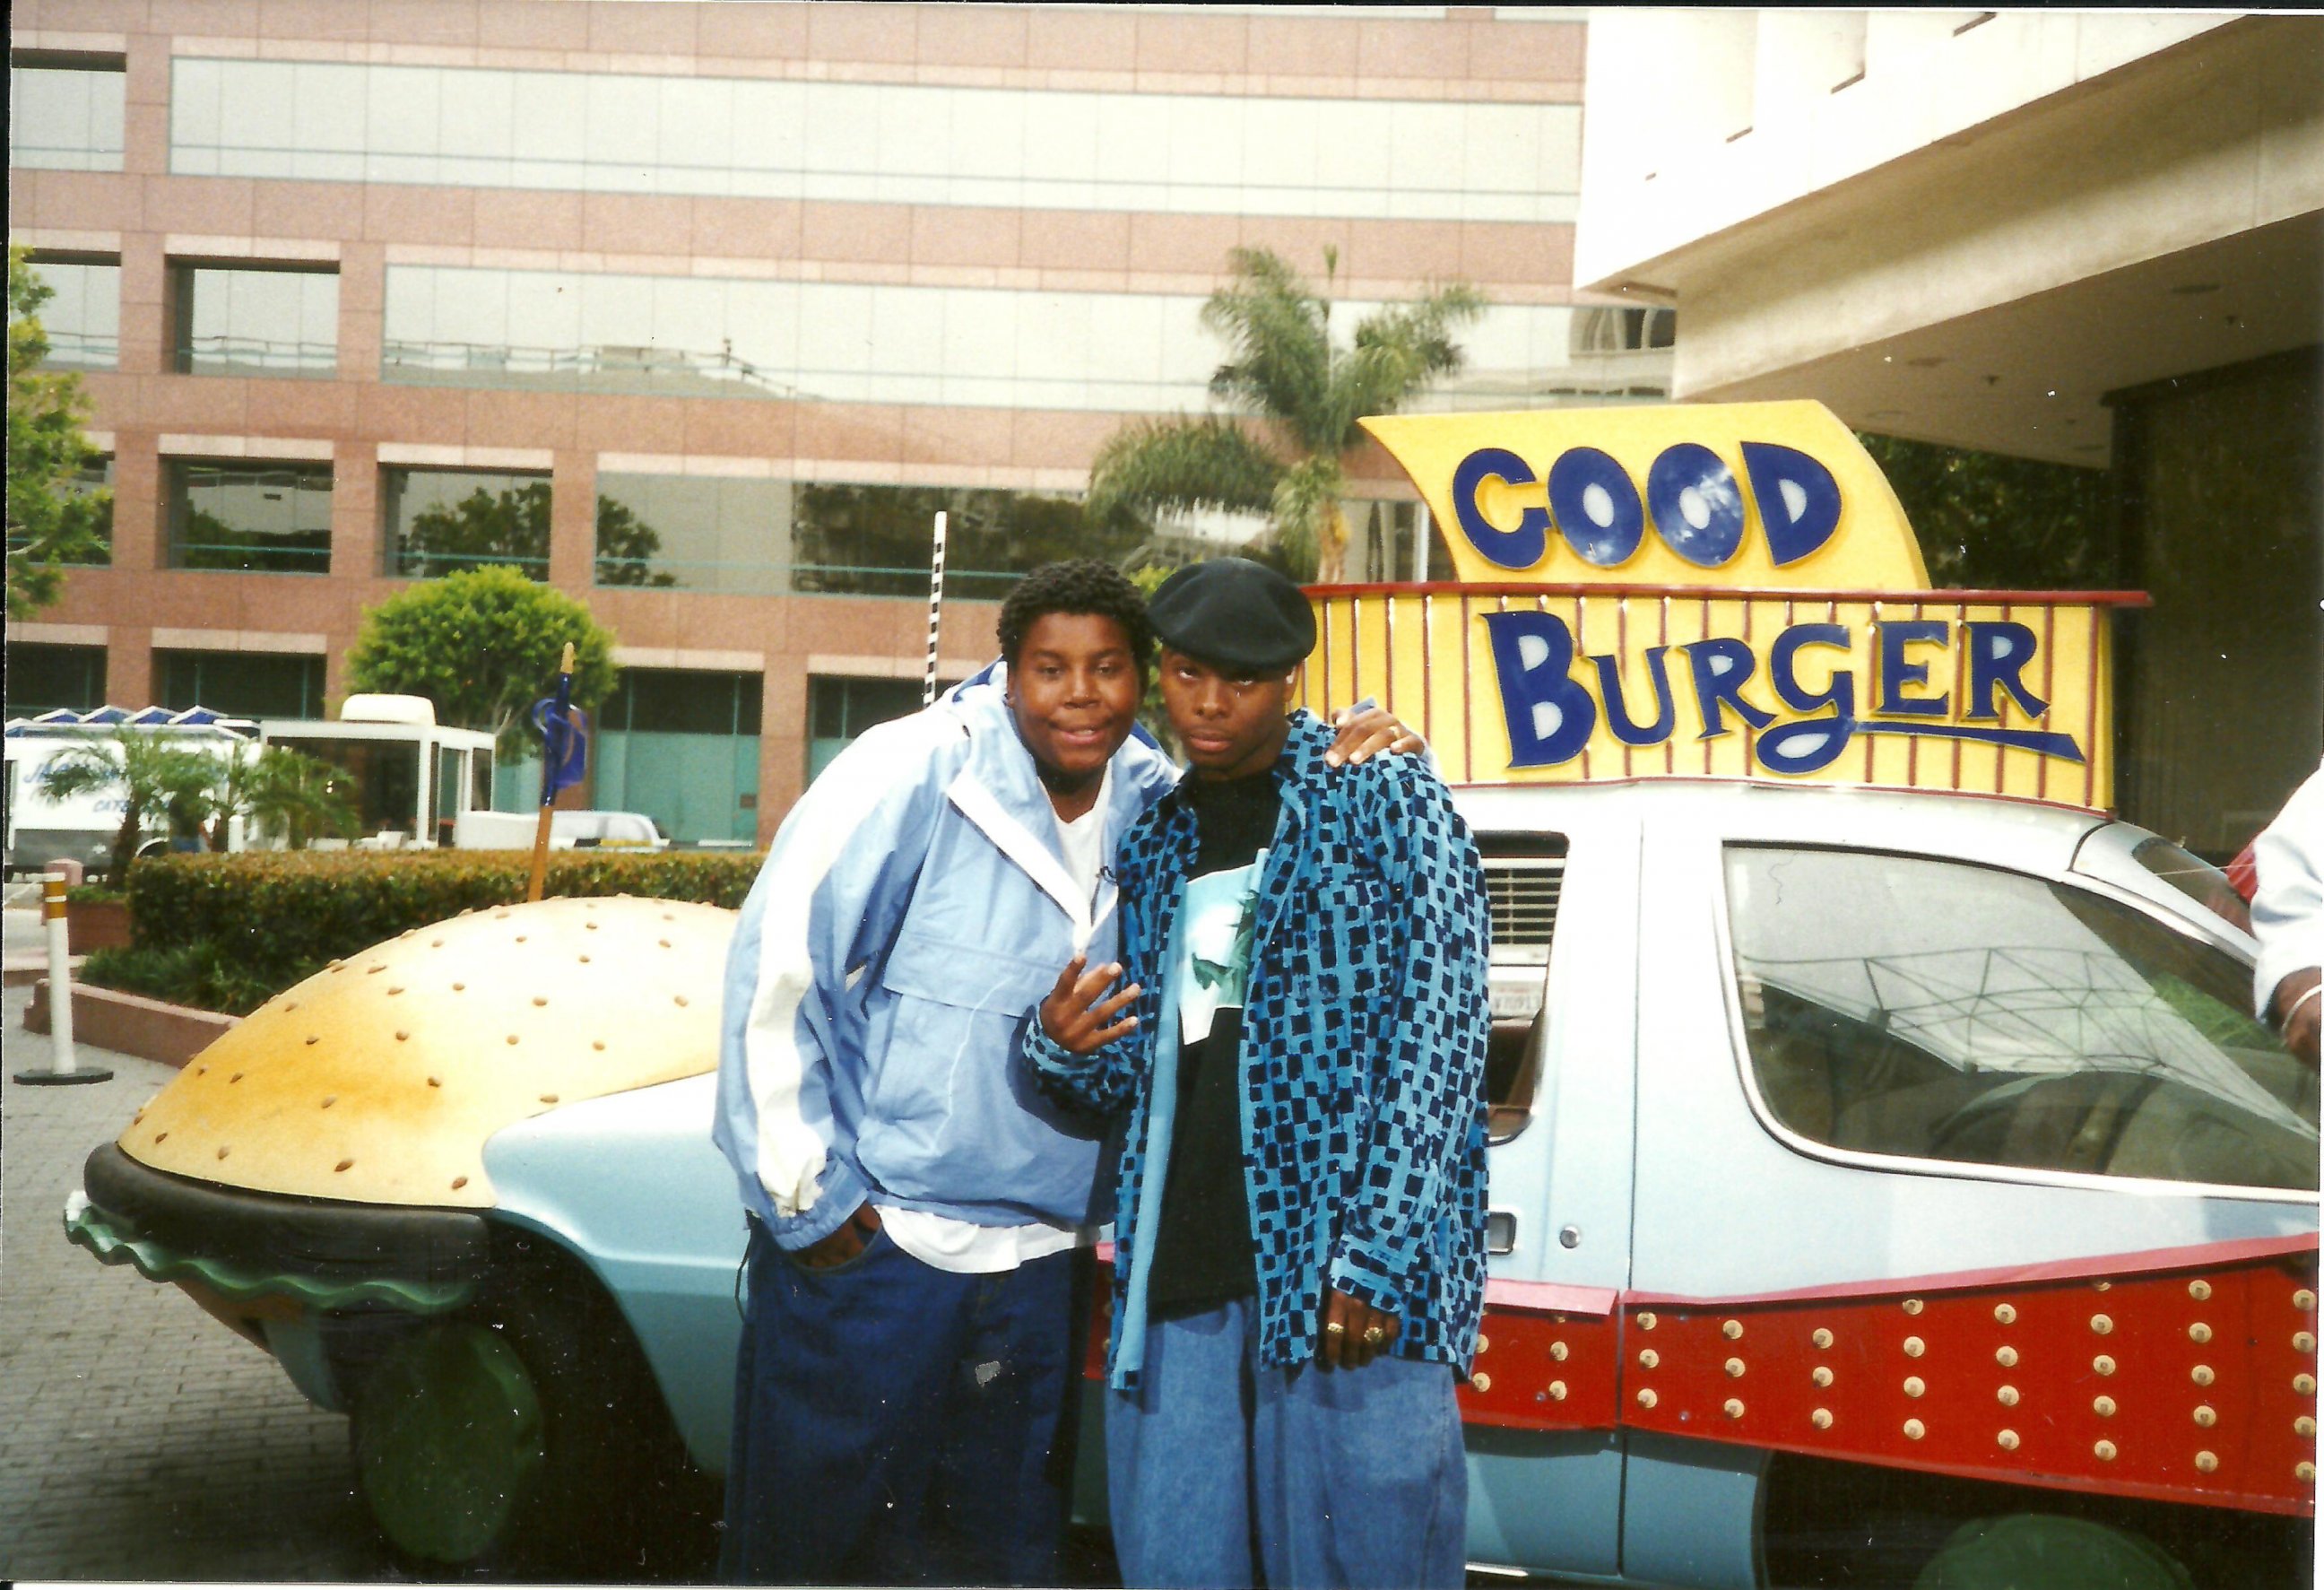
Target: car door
{"x":1545,"y":1489}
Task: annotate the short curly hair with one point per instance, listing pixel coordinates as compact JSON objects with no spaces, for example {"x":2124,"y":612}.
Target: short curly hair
{"x":1078,"y":584}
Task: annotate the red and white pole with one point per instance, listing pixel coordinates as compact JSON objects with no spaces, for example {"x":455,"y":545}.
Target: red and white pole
{"x":63,"y":1066}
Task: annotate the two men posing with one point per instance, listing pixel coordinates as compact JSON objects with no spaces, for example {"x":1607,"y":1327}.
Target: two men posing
{"x":1299,"y":1050}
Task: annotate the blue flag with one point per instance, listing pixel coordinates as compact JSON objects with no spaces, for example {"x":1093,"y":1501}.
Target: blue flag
{"x":563,"y":731}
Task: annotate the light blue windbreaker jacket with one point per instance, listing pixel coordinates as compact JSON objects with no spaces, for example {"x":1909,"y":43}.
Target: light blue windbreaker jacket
{"x":914,"y":909}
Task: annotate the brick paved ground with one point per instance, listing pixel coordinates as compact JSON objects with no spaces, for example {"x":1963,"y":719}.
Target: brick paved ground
{"x":139,"y":1438}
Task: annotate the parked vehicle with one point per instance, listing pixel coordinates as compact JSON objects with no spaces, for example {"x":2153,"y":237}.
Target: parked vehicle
{"x":413,"y":778}
{"x":568,"y":830}
{"x":1887,"y":1183}
{"x":42,"y":828}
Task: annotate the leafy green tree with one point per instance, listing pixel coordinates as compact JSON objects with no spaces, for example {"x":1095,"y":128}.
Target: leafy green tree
{"x":51,"y":523}
{"x":1292,"y":397}
{"x":153,"y":777}
{"x":1986,"y":522}
{"x":284,"y":793}
{"x":626,"y":545}
{"x":511,"y":527}
{"x":483,"y":644}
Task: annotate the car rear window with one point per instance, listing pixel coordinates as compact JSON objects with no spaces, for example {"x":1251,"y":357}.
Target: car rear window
{"x":1935,"y":1010}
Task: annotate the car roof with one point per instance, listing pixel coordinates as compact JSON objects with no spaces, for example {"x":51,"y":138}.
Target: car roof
{"x":1996,"y":830}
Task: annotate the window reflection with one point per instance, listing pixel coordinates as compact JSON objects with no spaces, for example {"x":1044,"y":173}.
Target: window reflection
{"x":256,"y":320}
{"x":66,"y":116}
{"x":1899,"y":1005}
{"x":260,"y":518}
{"x":241,"y":684}
{"x":439,"y":520}
{"x":891,"y":143}
{"x":851,"y":342}
{"x":82,"y":317}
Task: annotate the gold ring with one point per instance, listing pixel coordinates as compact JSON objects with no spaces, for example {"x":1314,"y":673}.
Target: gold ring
{"x":1374,"y":1337}
{"x":1335,"y":1329}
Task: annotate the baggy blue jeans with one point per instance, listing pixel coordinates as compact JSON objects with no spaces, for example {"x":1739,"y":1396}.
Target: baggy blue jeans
{"x":898,"y":1424}
{"x":1221,"y":1471}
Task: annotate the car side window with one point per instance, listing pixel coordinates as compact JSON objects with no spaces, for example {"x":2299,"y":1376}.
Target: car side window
{"x":1937,"y":1009}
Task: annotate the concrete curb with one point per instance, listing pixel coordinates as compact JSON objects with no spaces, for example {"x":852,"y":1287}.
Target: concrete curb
{"x":128,"y":1024}
{"x":17,"y":970}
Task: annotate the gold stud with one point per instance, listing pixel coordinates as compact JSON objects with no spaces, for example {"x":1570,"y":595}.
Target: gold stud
{"x":2202,"y":1374}
{"x":1914,"y":1346}
{"x":2102,"y":1364}
{"x":519,"y":939}
{"x":1915,"y":1386}
{"x":2206,"y":1462}
{"x":2007,"y":1396}
{"x":232,"y":1079}
{"x":2304,"y":1472}
{"x":1913,"y":1305}
{"x":289,"y":1004}
{"x":584,"y":961}
{"x":2101,"y":1324}
{"x":2303,"y":1426}
{"x":223,"y":1150}
{"x":1733,"y":1407}
{"x":2006,"y":1356}
{"x":2101,"y":1286}
{"x":2305,"y":1384}
{"x":1647,"y":1398}
{"x":1820,"y":1375}
{"x":2104,"y":1451}
{"x":2006,"y":1440}
{"x":435,"y":944}
{"x":435,"y":1082}
{"x":2199,"y":1332}
{"x":2201,"y":1290}
{"x":343,"y":1165}
{"x":2303,"y":1342}
{"x":2304,"y":1298}
{"x":378,"y":966}
{"x":679,"y":997}
{"x":329,"y":1099}
{"x":2205,"y":1416}
{"x":2102,"y":1406}
{"x":459,"y":988}
{"x":548,"y":1098}
{"x":459,"y":1182}
{"x":402,"y":1035}
{"x":1735,"y":1369}
{"x":511,"y":1038}
{"x":1821,"y":1338}
{"x":1647,"y":1321}
{"x":1821,"y":1418}
{"x":1557,"y":1350}
{"x":397,"y":988}
{"x":1648,"y":1358}
{"x":591,"y":926}
{"x":161,"y":1137}
{"x":1914,"y":1429}
{"x":1557,"y":1390}
{"x":539,"y":999}
{"x":598,"y":1043}
{"x":663,"y":942}
{"x":1732,"y":1330}
{"x":2005,"y":1314}
{"x":313,"y":1038}
{"x":1481,"y":1381}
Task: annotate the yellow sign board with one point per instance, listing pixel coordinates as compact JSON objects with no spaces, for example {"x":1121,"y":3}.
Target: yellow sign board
{"x":1709,"y":591}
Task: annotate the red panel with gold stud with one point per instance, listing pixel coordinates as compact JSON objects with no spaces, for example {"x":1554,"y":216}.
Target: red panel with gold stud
{"x":2186,"y":1375}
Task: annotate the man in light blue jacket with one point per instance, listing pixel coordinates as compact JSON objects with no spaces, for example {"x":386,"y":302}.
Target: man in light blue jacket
{"x":914,"y":1201}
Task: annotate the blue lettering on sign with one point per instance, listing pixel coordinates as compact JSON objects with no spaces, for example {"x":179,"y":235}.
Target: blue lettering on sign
{"x":1697,"y":504}
{"x":1551,"y":714}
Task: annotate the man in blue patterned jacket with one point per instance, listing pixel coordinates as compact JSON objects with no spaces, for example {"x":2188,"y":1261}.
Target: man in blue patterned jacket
{"x":1299,"y":1247}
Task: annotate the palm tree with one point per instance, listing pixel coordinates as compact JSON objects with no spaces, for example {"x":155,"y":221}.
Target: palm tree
{"x":287,"y":793}
{"x":154,"y":779}
{"x":1298,"y":397}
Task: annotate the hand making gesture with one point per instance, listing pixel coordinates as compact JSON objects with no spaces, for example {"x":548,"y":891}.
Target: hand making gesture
{"x":1075,"y":1015}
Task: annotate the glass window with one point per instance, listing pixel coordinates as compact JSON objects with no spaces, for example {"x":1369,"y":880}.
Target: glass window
{"x":257,"y":320}
{"x":93,"y":482}
{"x":241,"y":684}
{"x":258,"y":517}
{"x":44,"y":677}
{"x":682,"y":747}
{"x":440,"y":520}
{"x":877,"y":540}
{"x":694,"y":532}
{"x":2193,"y":877}
{"x":82,"y":317}
{"x":840,"y":709}
{"x":65,"y":111}
{"x":1937,"y":1011}
{"x":895,"y":143}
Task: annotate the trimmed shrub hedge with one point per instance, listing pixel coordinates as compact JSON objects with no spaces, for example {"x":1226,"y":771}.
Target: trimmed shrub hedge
{"x":277,"y":916}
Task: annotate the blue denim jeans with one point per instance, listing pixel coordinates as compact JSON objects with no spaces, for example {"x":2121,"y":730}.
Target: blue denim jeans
{"x":1225,"y":1472}
{"x":897,"y":1424}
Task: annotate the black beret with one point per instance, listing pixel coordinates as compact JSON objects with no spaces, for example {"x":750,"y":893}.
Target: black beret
{"x":1233,"y":613}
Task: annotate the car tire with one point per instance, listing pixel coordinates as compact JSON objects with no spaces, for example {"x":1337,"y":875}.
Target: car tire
{"x":525,"y":1435}
{"x":2026,"y":1549}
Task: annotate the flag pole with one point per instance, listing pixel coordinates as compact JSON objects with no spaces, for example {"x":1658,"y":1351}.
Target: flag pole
{"x":936,"y":611}
{"x":548,"y":785}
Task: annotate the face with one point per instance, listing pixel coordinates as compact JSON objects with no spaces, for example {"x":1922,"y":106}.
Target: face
{"x":1074,"y":690}
{"x":1231,"y":722}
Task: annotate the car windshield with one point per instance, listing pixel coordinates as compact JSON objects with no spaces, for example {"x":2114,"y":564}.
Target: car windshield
{"x":1937,"y":1009}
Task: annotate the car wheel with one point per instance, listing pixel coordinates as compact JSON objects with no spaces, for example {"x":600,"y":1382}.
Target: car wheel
{"x":526,"y":1435}
{"x":2030,"y":1549}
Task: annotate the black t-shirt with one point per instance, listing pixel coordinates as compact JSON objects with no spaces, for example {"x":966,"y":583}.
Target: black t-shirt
{"x":1202,"y":1252}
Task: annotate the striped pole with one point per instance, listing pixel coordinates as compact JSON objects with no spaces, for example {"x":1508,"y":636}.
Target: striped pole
{"x":64,"y":1065}
{"x":936,"y":611}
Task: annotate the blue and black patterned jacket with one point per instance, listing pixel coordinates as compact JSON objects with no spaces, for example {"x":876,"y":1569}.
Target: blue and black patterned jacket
{"x":1362,"y":1058}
